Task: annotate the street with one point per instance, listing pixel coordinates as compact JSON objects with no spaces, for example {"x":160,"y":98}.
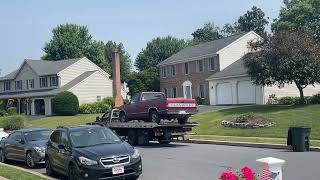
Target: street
{"x":182,"y":161}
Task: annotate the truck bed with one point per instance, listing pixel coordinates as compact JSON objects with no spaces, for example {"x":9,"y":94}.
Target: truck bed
{"x":147,"y":125}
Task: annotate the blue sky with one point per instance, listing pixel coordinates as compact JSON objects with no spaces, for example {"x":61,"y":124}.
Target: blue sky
{"x":25,"y":26}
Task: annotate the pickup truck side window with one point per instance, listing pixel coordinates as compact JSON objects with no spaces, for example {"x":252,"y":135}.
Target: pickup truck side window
{"x":135,"y":99}
{"x":152,"y":96}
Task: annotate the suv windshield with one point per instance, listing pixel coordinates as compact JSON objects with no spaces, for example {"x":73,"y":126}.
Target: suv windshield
{"x":93,"y":136}
{"x":37,"y":135}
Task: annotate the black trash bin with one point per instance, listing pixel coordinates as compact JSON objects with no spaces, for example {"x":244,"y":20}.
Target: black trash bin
{"x":299,"y":138}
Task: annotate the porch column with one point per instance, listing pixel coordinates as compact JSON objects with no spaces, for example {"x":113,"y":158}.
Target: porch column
{"x":47,"y":105}
{"x":19,"y":106}
{"x":32,"y":107}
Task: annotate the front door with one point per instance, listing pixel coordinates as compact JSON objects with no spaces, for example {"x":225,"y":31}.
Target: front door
{"x":187,"y":92}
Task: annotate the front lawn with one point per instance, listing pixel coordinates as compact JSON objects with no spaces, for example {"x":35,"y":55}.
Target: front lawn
{"x":15,"y":174}
{"x":282,"y":116}
{"x":54,"y":121}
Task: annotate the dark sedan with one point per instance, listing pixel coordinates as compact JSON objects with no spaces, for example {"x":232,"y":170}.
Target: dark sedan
{"x":27,"y":145}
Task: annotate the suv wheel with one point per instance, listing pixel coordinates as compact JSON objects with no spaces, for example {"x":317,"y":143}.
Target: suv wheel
{"x":183,"y":120}
{"x":2,"y":156}
{"x":123,"y":117}
{"x":49,"y":169}
{"x":72,"y":173}
{"x":154,"y":117}
{"x":30,"y":161}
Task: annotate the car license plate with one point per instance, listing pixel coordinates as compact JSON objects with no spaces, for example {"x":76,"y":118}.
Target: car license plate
{"x":118,"y":170}
{"x":182,"y":112}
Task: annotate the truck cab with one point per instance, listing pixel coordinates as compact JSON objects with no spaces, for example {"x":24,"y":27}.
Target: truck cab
{"x":154,"y":106}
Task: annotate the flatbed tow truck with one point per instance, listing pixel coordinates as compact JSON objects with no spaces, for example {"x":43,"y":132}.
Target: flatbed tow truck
{"x":138,"y":132}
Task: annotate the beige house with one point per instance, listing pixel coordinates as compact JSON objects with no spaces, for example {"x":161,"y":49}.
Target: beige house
{"x":31,"y":87}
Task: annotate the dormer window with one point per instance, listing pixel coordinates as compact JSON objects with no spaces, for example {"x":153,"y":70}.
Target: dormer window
{"x":7,"y":85}
{"x":43,"y":82}
{"x":53,"y":81}
{"x":18,"y":85}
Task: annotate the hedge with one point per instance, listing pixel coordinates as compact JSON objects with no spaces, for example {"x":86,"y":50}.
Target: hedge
{"x":97,"y":107}
{"x":12,"y":122}
{"x":65,"y":104}
{"x":288,"y":100}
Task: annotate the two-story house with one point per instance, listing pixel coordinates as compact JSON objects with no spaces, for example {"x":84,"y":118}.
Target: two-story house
{"x":184,"y":74}
{"x":31,"y":87}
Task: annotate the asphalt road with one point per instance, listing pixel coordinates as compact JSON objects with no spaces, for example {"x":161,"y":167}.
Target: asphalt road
{"x":180,"y":161}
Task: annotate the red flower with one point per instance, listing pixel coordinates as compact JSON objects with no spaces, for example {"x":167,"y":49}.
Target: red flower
{"x":247,"y":173}
{"x":228,"y":176}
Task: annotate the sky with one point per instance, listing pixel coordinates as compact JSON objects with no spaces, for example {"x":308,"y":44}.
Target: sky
{"x":25,"y":26}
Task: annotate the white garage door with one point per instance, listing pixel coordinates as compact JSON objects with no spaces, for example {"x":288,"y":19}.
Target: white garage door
{"x":224,"y":93}
{"x":246,"y":92}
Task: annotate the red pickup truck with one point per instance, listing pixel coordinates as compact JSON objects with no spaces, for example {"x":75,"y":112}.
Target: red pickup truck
{"x":153,"y":106}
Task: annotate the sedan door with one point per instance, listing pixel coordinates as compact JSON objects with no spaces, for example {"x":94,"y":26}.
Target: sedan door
{"x":17,"y":147}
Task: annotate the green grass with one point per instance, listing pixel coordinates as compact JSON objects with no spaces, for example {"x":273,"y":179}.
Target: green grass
{"x":54,"y":121}
{"x":282,"y":116}
{"x":14,"y":174}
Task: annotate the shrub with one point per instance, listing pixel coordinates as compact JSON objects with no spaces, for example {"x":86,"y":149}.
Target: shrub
{"x":12,"y":111}
{"x":94,"y":108}
{"x":272,"y":99}
{"x":12,"y":122}
{"x":109,"y":101}
{"x":3,"y":113}
{"x":245,"y":117}
{"x":288,"y":100}
{"x":315,"y":99}
{"x":200,"y":100}
{"x":65,"y":103}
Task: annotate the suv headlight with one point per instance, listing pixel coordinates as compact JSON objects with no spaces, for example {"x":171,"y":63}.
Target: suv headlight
{"x":87,"y":161}
{"x":135,"y":154}
{"x":40,"y":149}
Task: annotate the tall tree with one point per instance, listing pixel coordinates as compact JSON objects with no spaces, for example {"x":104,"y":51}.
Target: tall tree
{"x":157,"y":50}
{"x":253,"y":20}
{"x":285,"y":58}
{"x":208,"y":32}
{"x":299,"y":15}
{"x":229,"y":29}
{"x":68,"y":41}
{"x":96,"y":54}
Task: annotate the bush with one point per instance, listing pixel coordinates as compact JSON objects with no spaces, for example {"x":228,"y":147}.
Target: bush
{"x":272,"y":99}
{"x":12,"y":122}
{"x":288,"y":100}
{"x":200,"y":100}
{"x":12,"y":111}
{"x":315,"y":99}
{"x":109,"y":101}
{"x":3,"y":113}
{"x":94,"y":108}
{"x":65,"y":103}
{"x":245,"y":117}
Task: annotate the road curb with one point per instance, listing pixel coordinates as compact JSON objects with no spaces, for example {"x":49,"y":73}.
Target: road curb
{"x":243,"y":144}
{"x":28,"y":171}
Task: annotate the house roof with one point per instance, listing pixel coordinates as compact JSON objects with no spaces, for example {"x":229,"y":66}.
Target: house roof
{"x":201,"y":49}
{"x":233,"y":70}
{"x":43,"y":67}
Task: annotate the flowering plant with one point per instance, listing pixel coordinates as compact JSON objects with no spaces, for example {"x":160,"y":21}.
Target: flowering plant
{"x":244,"y":174}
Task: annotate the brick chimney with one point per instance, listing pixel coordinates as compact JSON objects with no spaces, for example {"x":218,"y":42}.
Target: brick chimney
{"x":116,"y":79}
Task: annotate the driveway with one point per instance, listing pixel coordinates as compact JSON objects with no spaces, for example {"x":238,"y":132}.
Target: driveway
{"x":182,"y":161}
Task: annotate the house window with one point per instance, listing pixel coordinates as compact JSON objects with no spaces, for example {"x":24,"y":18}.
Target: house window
{"x":53,"y":81}
{"x":43,"y":82}
{"x":164,"y":71}
{"x":18,"y":85}
{"x":98,"y":98}
{"x":201,"y":91}
{"x":174,"y":92}
{"x":199,"y":65}
{"x":186,"y":68}
{"x":30,"y":83}
{"x":165,"y":90}
{"x":7,"y":85}
{"x":211,"y":65}
{"x":172,"y":70}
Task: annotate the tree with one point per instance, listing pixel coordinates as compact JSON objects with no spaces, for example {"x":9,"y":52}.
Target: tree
{"x":96,"y":53}
{"x":157,"y":50}
{"x":68,"y":41}
{"x":299,"y":15}
{"x":208,"y":32}
{"x":125,"y":61}
{"x":229,"y":30}
{"x":285,"y":57}
{"x":146,"y":80}
{"x":253,"y":20}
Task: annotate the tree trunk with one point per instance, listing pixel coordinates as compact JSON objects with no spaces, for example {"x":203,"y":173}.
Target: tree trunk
{"x":302,"y":100}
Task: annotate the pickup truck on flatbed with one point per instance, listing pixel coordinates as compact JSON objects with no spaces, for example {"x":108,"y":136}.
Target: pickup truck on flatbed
{"x":154,"y":106}
{"x":140,"y":132}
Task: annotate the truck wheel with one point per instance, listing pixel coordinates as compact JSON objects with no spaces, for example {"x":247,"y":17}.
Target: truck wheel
{"x":132,"y":137}
{"x":123,"y":117}
{"x":154,"y":116}
{"x":183,"y":120}
{"x":143,"y":138}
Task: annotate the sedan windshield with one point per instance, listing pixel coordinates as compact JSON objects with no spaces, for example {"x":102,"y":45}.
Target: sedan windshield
{"x":93,"y":136}
{"x":37,"y":135}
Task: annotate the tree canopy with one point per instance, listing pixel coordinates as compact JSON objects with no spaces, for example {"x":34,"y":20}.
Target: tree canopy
{"x":208,"y":32}
{"x":285,"y":57}
{"x":299,"y":15}
{"x":253,"y":20}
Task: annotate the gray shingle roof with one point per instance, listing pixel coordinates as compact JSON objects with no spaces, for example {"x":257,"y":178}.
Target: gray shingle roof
{"x":43,"y":67}
{"x":202,"y":49}
{"x":235,"y":69}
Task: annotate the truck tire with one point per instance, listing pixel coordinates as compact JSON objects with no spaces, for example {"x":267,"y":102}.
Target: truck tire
{"x":183,"y":120}
{"x":123,"y":117}
{"x":154,"y":116}
{"x":132,"y":137}
{"x":143,"y":137}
